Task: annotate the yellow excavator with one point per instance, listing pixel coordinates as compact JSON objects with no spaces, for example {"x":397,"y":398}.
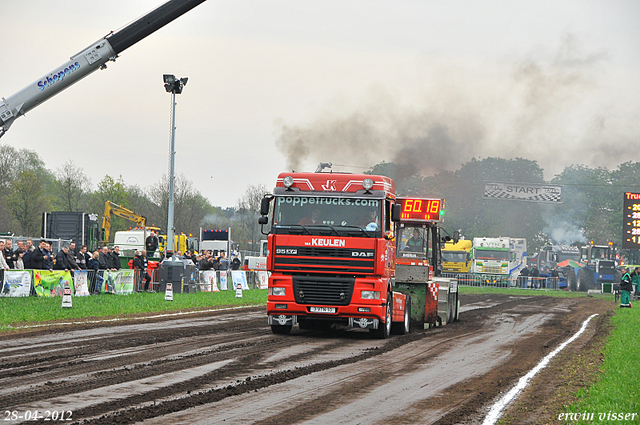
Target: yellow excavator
{"x":114,"y":209}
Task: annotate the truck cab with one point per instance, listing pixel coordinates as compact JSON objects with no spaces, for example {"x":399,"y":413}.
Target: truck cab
{"x":456,"y":257}
{"x":331,"y":251}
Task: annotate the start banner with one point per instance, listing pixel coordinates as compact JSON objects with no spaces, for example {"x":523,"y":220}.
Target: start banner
{"x":532,"y":192}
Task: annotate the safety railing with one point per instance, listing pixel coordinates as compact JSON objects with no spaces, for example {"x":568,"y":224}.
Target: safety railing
{"x":47,"y":283}
{"x":523,"y":282}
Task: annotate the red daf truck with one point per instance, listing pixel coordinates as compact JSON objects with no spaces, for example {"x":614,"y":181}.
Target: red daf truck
{"x":332,"y":255}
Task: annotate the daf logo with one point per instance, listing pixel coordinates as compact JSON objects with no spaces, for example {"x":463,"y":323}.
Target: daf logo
{"x":286,"y":251}
{"x":282,"y":319}
{"x":363,"y":323}
{"x":362,"y":254}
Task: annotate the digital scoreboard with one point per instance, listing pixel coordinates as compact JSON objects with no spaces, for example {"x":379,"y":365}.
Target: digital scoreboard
{"x":631,"y":221}
{"x":421,"y":209}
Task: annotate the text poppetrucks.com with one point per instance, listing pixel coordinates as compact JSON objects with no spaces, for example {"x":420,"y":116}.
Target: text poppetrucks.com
{"x":590,"y":416}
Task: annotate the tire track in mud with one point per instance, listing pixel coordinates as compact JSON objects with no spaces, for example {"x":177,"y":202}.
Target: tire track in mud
{"x":158,"y":370}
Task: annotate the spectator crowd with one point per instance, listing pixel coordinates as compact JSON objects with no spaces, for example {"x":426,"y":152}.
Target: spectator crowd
{"x":71,"y":257}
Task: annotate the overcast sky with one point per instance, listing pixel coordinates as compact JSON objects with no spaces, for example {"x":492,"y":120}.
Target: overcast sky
{"x":282,"y":84}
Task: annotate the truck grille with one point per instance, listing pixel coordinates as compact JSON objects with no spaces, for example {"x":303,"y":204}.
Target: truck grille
{"x":323,"y":290}
{"x":606,"y":267}
{"x":491,"y":269}
{"x":324,"y":260}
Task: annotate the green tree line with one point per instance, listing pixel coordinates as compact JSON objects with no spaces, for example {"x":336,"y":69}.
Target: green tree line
{"x":28,"y":188}
{"x":591,"y":208}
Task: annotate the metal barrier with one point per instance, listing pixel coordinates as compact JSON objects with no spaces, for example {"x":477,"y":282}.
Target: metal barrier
{"x":204,"y":280}
{"x":496,"y":281}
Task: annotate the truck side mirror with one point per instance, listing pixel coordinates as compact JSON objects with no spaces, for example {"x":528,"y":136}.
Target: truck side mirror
{"x":264,"y":206}
{"x":396,"y":212}
{"x":263,"y":220}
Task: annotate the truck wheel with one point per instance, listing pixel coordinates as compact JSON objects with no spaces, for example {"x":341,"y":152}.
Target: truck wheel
{"x":281,"y":330}
{"x":585,"y":280}
{"x":384,"y":329}
{"x":570,"y":274}
{"x":404,"y":327}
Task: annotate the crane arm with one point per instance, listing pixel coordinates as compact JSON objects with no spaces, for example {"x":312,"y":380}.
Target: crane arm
{"x":89,"y":60}
{"x":114,"y":209}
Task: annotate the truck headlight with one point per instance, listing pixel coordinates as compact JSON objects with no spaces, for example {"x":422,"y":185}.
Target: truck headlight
{"x":278,"y":291}
{"x":370,"y":295}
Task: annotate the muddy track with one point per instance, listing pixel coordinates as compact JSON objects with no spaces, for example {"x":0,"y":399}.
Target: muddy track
{"x":228,"y":367}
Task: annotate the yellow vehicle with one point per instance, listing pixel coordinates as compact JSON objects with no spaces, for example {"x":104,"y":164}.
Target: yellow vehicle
{"x":182,"y":243}
{"x":456,"y":257}
{"x":114,"y":209}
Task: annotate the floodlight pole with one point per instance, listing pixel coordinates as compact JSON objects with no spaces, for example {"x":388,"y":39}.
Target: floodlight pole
{"x":174,"y":86}
{"x":172,"y":155}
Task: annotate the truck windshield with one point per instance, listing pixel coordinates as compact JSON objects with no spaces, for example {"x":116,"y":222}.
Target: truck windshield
{"x":327,"y":215}
{"x":413,"y":242}
{"x":454,"y":256}
{"x":492,"y":255}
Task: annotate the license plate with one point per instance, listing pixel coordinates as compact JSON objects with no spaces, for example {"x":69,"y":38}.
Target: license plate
{"x":322,"y":309}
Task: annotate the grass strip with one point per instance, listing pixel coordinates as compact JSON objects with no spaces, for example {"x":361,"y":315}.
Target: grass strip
{"x":30,"y":310}
{"x":615,"y":397}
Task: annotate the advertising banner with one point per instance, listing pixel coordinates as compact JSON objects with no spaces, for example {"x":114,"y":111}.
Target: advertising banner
{"x":80,"y":283}
{"x":239,"y":277}
{"x":263,"y":279}
{"x":49,"y":283}
{"x":16,"y":284}
{"x":208,"y":281}
{"x":223,"y":280}
{"x":119,"y":282}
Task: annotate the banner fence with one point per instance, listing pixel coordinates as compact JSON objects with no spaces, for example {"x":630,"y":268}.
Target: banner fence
{"x":48,"y":283}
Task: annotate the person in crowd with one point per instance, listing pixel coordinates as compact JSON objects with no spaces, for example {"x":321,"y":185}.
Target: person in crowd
{"x":235,"y":262}
{"x":140,"y":265}
{"x":8,"y":253}
{"x":151,"y":243}
{"x":215,"y":260}
{"x":30,"y":246}
{"x":47,"y":257}
{"x":554,"y":277}
{"x":198,"y":258}
{"x":3,"y":263}
{"x":635,"y":280}
{"x":18,"y":263}
{"x":26,"y":257}
{"x":115,"y":258}
{"x":93,"y":264}
{"x":71,"y":257}
{"x":37,"y":257}
{"x":104,"y":259}
{"x":223,"y":262}
{"x":415,"y":243}
{"x":82,"y":257}
{"x":524,"y":277}
{"x":206,"y":263}
{"x":535,"y":274}
{"x":189,"y":255}
{"x":625,"y":288}
{"x":62,"y":259}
